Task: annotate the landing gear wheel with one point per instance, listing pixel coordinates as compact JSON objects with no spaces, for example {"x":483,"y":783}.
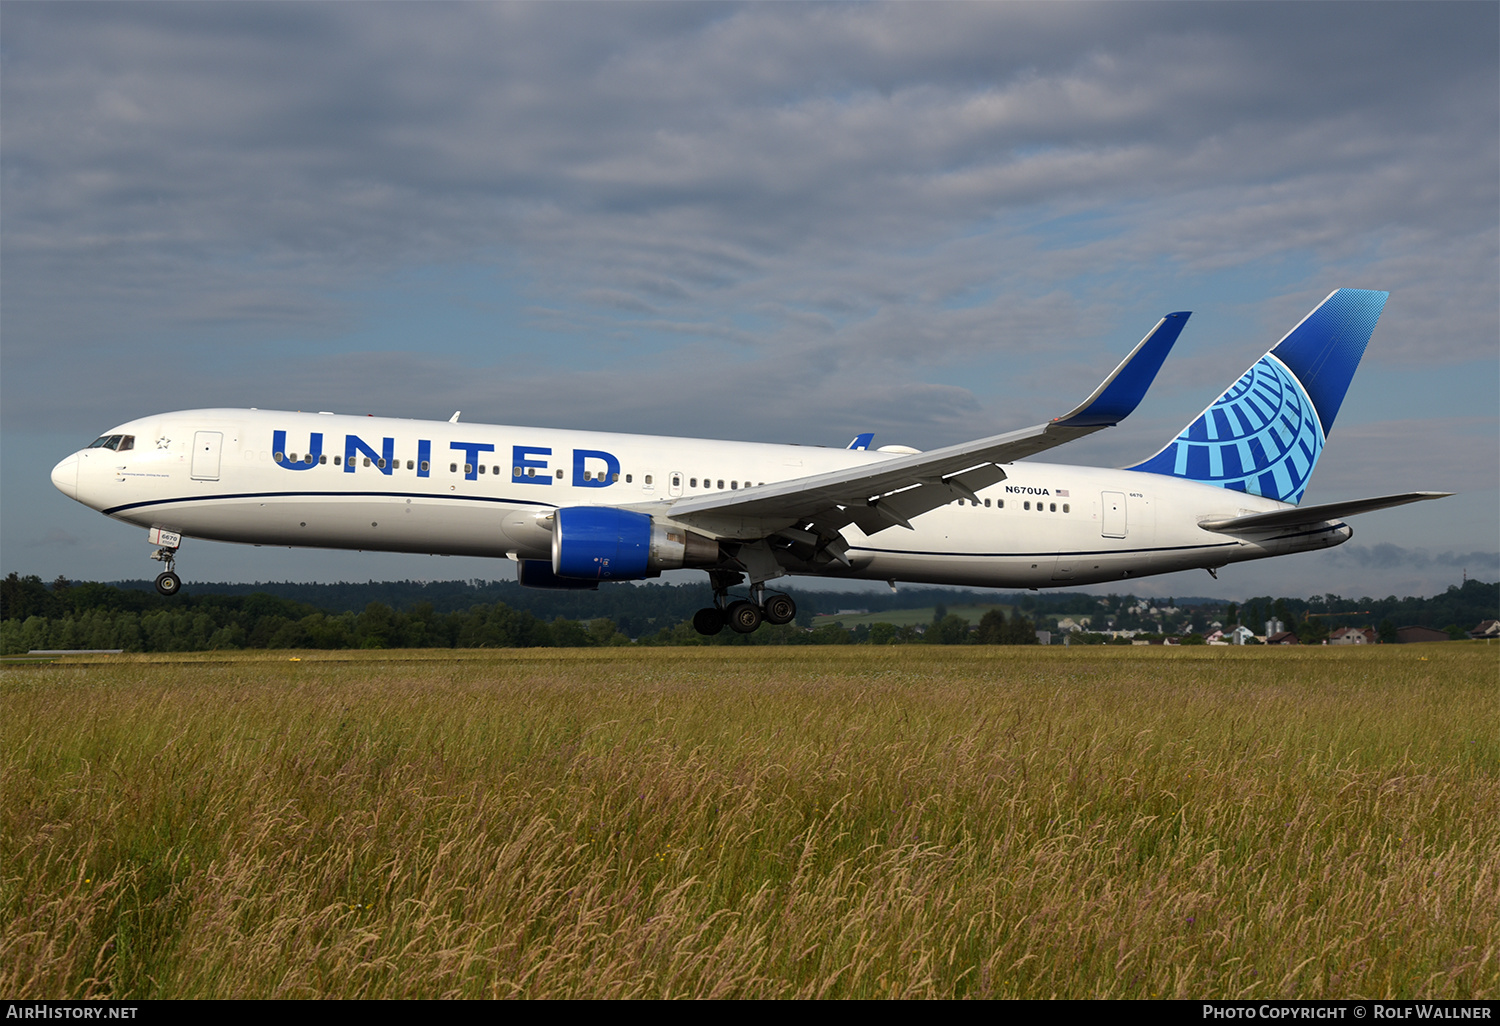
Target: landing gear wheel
{"x":708,"y":621}
{"x":744,"y":617}
{"x":780,"y":609}
{"x":168,"y":583}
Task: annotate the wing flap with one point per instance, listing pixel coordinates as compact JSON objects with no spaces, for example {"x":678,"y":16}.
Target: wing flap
{"x":1301,"y":516}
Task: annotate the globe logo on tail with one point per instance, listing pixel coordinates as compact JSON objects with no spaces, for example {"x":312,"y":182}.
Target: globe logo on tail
{"x":1262,"y":436}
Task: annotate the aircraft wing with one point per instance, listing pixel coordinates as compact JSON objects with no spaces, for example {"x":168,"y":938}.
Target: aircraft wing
{"x":1303,"y":516}
{"x":891,"y":492}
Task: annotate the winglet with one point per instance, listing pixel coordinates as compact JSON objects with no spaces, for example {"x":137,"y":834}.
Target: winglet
{"x":862,"y":440}
{"x":1120,"y":393}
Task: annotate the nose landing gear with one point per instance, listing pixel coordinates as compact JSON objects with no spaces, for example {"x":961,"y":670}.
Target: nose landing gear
{"x":741,"y":616}
{"x":167,"y":582}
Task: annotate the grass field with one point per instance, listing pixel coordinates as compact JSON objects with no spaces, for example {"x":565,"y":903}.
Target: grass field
{"x":913,"y":821}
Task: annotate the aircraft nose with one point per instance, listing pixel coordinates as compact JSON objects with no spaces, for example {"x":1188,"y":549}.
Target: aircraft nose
{"x":65,"y":476}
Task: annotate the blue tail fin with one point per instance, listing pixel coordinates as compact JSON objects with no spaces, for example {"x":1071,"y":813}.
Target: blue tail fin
{"x":1264,"y":435}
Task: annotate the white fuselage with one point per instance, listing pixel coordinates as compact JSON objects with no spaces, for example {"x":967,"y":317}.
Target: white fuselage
{"x":246,"y":476}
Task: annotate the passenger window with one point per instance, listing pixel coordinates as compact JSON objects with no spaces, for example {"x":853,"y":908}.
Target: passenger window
{"x":1065,"y":507}
{"x":515,"y":471}
{"x":322,"y":460}
{"x":676,"y":481}
{"x":628,"y":478}
{"x":380,"y":463}
{"x":496,"y":470}
{"x":367,"y":461}
{"x":453,"y":468}
{"x":408,"y":464}
{"x":425,"y":465}
{"x":337,"y":460}
{"x":1052,"y":507}
{"x":308,"y":459}
{"x":734,"y":485}
{"x":280,"y":457}
{"x":1027,"y":504}
{"x":559,"y":475}
{"x":692,"y":482}
{"x":648,"y":478}
{"x":986,"y":503}
{"x":615,"y":476}
{"x":481,"y":467}
{"x":468,"y":469}
{"x":721,"y":484}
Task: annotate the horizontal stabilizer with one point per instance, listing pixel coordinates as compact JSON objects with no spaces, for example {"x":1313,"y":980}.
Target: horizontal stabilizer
{"x":1300,"y":516}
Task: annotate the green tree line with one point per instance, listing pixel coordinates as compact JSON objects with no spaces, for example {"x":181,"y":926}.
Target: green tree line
{"x":68,"y":616}
{"x":63,"y":614}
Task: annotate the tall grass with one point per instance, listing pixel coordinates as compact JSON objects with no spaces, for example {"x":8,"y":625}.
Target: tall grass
{"x":832,"y":822}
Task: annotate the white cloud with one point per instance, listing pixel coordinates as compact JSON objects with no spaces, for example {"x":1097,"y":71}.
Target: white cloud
{"x":823,"y":212}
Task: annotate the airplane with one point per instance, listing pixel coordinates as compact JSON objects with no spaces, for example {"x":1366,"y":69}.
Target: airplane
{"x":573,"y":508}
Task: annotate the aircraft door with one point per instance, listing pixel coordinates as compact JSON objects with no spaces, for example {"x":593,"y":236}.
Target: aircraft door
{"x":207,"y":448}
{"x":674,"y":483}
{"x":1114,"y":522}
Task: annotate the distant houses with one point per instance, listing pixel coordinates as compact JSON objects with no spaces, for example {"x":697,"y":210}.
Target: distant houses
{"x":1240,"y":635}
{"x":1353,"y":636}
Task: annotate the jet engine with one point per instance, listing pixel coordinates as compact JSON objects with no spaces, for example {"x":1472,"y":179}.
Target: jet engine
{"x":599,"y":543}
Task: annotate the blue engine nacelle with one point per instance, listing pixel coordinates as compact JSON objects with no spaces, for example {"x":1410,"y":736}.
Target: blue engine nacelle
{"x":598,"y":543}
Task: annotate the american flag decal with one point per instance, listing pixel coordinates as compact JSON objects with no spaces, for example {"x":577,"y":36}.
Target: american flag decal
{"x":1063,"y":492}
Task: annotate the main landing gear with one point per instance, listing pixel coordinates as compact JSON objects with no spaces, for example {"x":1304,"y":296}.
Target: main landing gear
{"x":167,"y":582}
{"x":741,"y":616}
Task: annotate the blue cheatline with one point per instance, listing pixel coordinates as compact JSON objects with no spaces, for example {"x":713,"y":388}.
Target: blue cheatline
{"x":1264,"y":435}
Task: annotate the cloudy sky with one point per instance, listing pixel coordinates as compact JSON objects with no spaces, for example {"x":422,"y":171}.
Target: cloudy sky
{"x":775,"y":222}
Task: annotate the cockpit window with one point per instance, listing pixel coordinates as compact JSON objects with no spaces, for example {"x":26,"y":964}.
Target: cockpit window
{"x":119,"y":443}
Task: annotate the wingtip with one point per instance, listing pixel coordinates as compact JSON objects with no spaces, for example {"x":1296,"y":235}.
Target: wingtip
{"x":1120,"y":393}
